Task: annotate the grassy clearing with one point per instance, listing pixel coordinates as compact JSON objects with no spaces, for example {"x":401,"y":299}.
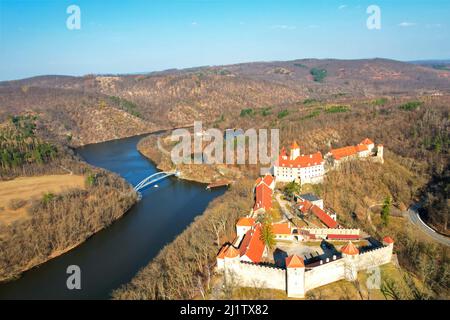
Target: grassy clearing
{"x":22,"y":190}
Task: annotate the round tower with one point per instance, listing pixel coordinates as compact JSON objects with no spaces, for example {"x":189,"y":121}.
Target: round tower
{"x":350,"y":255}
{"x":380,"y":153}
{"x":295,"y":276}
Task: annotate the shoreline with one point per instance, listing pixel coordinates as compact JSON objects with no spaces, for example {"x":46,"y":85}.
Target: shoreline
{"x":60,"y":252}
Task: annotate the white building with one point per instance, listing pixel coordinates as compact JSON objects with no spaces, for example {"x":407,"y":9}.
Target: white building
{"x":300,"y":168}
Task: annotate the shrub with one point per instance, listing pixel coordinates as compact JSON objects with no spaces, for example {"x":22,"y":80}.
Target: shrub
{"x":318,"y":74}
{"x":337,"y":109}
{"x":282,"y":114}
{"x":410,"y":106}
{"x":247,"y":112}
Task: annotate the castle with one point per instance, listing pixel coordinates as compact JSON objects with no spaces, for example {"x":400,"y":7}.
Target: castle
{"x":312,"y":168}
{"x":247,"y":261}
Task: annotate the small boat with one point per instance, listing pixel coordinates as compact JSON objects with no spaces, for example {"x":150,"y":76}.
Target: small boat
{"x":155,"y":186}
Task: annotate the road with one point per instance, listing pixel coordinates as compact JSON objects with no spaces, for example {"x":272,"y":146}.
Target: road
{"x":414,"y":217}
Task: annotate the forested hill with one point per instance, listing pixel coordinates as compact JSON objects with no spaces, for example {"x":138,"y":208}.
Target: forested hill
{"x":95,"y":108}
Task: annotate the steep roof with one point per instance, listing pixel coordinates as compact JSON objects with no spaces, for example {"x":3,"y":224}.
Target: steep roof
{"x":263,"y":197}
{"x":281,"y":228}
{"x":361,"y":147}
{"x":350,"y":249}
{"x":324,"y":217}
{"x":294,"y":261}
{"x":305,"y":205}
{"x":268,"y":179}
{"x":228,"y":251}
{"x":343,"y":152}
{"x":231,"y":252}
{"x":388,"y":240}
{"x":252,"y":245}
{"x":367,"y":141}
{"x":303,"y":161}
{"x":245,"y":222}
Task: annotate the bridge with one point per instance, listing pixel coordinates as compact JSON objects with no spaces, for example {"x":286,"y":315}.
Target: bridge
{"x":158,"y":176}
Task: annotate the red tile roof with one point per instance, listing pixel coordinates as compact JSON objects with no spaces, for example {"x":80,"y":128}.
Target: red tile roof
{"x":295,"y":262}
{"x":263,"y":197}
{"x":228,"y":251}
{"x":295,"y":145}
{"x":343,"y":152}
{"x":350,"y":249}
{"x":304,"y":161}
{"x":221,"y":253}
{"x":245,"y":222}
{"x":305,"y":205}
{"x":361,"y":147}
{"x":324,"y":217}
{"x":281,"y":228}
{"x":367,"y":141}
{"x":343,"y":236}
{"x":268,"y":179}
{"x":231,"y":252}
{"x":252,"y":245}
{"x":388,"y":240}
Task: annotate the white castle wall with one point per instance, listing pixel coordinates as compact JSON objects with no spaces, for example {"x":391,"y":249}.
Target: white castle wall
{"x":253,"y":275}
{"x":259,"y":276}
{"x":325,"y":232}
{"x":324,"y":274}
{"x":374,"y":258}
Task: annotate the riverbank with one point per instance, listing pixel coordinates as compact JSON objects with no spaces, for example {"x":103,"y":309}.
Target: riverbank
{"x":157,"y":149}
{"x":184,"y":268}
{"x":48,"y":232}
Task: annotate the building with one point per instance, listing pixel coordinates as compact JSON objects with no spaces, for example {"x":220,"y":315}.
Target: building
{"x":263,"y":199}
{"x":364,"y":150}
{"x":298,"y":277}
{"x":307,"y":207}
{"x":297,"y":167}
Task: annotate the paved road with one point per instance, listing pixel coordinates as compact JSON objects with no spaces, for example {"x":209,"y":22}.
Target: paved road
{"x":414,"y":217}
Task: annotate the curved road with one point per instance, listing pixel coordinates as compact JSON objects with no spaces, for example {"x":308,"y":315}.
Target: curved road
{"x":414,"y":217}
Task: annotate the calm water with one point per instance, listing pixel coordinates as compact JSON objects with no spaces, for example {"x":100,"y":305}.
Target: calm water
{"x":113,"y":256}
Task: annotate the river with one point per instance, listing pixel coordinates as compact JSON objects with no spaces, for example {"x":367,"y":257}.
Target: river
{"x":113,"y":256}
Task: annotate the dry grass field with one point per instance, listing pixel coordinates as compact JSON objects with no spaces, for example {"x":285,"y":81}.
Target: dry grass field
{"x":16,"y":195}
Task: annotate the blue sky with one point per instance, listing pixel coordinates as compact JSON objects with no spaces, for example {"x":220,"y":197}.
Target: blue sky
{"x":140,"y":36}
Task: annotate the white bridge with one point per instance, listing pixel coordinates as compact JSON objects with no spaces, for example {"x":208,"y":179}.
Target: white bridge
{"x":155,"y":178}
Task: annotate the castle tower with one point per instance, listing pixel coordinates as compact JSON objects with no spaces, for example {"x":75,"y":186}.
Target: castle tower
{"x":380,"y":153}
{"x":231,"y":263}
{"x":350,"y":255}
{"x":389,"y":242}
{"x":295,"y":274}
{"x":295,"y":151}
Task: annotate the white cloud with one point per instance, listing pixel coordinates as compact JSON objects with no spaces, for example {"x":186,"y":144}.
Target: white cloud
{"x":342,"y":6}
{"x":194,"y":23}
{"x":283,"y":27}
{"x":312,"y":26}
{"x":406,"y":24}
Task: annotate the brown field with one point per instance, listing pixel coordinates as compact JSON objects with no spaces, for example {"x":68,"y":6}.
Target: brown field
{"x":29,"y":188}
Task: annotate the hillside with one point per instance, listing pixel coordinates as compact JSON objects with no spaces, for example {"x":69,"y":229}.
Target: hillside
{"x":178,"y":97}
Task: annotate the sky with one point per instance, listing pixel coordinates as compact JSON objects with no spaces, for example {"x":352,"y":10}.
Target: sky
{"x":137,"y":36}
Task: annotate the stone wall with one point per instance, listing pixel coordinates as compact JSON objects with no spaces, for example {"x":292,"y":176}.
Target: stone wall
{"x":324,"y":274}
{"x":258,"y":276}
